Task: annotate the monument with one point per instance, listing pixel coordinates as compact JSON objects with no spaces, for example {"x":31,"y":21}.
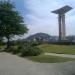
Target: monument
{"x":61,"y":20}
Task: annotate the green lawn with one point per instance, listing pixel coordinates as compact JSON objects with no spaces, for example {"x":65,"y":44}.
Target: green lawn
{"x":60,"y":49}
{"x":49,"y":59}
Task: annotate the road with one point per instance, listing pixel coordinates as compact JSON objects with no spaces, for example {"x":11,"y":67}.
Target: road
{"x":14,"y":65}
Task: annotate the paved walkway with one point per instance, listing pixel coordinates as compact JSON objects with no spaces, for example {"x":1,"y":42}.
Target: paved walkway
{"x":61,"y":55}
{"x":14,"y":65}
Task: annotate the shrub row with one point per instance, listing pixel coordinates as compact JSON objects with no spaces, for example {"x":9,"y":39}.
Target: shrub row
{"x":25,"y":50}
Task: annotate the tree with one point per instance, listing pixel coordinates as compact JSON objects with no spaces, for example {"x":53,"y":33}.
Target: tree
{"x":11,"y":22}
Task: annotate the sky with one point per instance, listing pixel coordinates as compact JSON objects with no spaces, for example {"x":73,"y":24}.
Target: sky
{"x":39,"y":18}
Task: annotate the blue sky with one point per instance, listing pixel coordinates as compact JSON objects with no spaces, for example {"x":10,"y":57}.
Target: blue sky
{"x":38,"y":17}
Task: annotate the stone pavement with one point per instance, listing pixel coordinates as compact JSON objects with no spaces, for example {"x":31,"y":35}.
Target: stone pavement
{"x":14,"y":65}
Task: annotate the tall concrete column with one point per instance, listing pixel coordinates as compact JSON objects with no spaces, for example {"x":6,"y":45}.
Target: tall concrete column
{"x":63,"y":26}
{"x":59,"y":21}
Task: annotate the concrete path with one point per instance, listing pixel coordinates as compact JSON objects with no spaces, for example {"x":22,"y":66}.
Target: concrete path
{"x":14,"y":65}
{"x":61,"y":55}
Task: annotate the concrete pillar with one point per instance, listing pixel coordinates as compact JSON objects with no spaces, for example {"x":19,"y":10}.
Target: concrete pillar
{"x":63,"y":27}
{"x":59,"y":21}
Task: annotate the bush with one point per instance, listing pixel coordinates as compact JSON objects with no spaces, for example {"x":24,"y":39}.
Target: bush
{"x":26,"y":49}
{"x":10,"y":49}
{"x":15,"y":51}
{"x":29,"y":51}
{"x":34,"y":43}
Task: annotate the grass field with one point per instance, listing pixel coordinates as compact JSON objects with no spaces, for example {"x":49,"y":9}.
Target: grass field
{"x":49,"y":59}
{"x":66,"y":49}
{"x":60,"y":49}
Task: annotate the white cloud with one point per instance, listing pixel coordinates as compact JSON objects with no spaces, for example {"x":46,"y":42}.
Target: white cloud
{"x":40,"y":18}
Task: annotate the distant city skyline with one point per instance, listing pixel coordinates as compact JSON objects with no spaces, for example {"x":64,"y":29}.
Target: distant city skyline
{"x":38,"y":17}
